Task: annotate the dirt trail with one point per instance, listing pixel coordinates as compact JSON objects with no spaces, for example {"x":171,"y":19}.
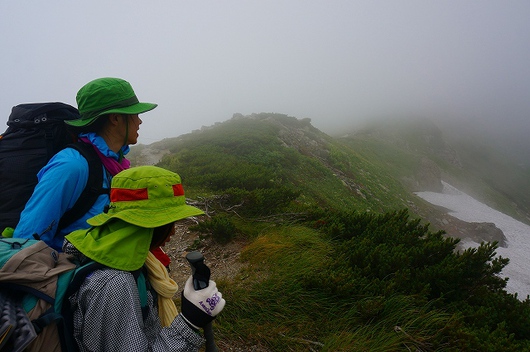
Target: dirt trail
{"x":223,"y":260}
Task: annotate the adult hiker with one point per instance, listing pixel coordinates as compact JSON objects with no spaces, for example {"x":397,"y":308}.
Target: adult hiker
{"x":109,"y":121}
{"x":107,"y":316}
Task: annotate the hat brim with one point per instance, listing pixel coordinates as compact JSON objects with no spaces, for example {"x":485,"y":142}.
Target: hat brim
{"x":137,"y":108}
{"x":148,"y":218}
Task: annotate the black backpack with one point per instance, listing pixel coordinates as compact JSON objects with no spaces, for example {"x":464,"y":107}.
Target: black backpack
{"x":36,"y":132}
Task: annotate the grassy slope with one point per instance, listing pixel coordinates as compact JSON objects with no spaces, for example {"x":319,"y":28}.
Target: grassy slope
{"x":331,"y":173}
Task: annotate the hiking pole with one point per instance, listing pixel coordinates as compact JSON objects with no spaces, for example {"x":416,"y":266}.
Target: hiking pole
{"x":201,"y":279}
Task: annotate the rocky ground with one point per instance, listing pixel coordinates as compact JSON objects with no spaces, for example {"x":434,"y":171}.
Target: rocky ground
{"x":223,"y":260}
{"x":476,"y":232}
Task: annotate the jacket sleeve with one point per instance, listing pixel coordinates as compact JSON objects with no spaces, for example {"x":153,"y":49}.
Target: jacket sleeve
{"x":108,"y":317}
{"x":60,"y":183}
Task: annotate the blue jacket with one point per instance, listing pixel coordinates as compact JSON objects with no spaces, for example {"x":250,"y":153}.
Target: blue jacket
{"x":60,"y":183}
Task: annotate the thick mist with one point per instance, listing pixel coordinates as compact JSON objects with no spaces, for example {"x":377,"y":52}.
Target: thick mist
{"x":338,"y":63}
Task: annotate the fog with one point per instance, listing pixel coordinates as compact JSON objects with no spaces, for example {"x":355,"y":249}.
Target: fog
{"x":336,"y":62}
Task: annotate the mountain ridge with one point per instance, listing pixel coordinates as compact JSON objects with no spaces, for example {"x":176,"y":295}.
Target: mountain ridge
{"x":377,"y":167}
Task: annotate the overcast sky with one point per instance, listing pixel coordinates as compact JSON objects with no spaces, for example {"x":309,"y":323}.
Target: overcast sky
{"x":334,"y":62}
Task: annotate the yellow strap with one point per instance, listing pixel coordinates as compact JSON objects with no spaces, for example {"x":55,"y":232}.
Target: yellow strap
{"x":166,"y":288}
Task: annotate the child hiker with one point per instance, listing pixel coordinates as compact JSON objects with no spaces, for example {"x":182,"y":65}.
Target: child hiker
{"x":146,"y":201}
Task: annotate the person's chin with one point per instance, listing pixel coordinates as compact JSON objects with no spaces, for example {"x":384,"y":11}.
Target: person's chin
{"x":135,"y":140}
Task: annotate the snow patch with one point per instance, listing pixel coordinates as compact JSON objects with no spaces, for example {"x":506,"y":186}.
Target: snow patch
{"x":466,"y":208}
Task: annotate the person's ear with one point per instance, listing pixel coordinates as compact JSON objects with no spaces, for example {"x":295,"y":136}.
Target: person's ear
{"x":114,"y":119}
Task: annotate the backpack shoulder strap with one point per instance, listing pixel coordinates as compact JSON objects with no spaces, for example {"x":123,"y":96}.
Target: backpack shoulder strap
{"x":93,"y":189}
{"x":140,"y":276}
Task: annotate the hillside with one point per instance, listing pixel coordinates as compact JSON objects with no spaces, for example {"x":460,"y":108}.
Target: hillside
{"x":319,"y":243}
{"x":421,"y":152}
{"x":376,"y":168}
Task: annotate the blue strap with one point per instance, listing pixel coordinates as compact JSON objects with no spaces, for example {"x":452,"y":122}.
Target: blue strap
{"x":141,"y":284}
{"x":46,"y":319}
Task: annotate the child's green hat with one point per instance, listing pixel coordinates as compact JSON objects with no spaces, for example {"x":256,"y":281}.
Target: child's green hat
{"x":146,"y":196}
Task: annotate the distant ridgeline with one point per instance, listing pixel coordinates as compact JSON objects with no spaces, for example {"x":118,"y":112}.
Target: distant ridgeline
{"x":372,"y":168}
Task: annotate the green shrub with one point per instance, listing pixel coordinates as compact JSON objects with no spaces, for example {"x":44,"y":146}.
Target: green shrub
{"x":220,"y":227}
{"x":390,"y":255}
{"x":261,"y":201}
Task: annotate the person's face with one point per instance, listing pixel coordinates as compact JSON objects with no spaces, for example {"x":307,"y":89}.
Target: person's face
{"x":171,"y":233}
{"x":134,"y":122}
{"x":162,"y":235}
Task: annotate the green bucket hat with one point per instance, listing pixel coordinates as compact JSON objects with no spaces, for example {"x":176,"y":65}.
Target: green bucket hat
{"x":105,"y":96}
{"x":146,"y":196}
